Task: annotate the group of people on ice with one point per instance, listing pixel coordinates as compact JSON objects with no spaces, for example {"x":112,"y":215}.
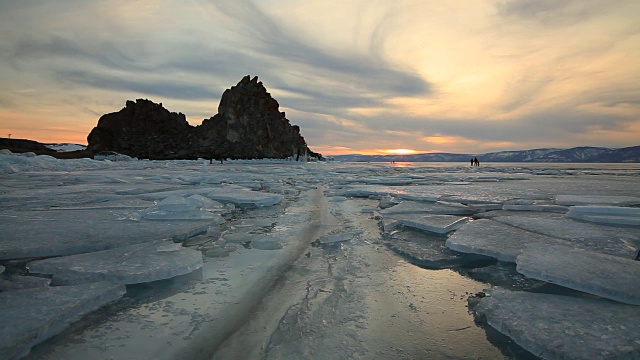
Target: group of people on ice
{"x":475,"y":162}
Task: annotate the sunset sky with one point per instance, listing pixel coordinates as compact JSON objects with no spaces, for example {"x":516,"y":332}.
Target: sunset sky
{"x":465,"y":76}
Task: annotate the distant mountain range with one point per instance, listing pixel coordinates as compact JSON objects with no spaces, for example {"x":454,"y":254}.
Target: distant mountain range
{"x":585,"y":154}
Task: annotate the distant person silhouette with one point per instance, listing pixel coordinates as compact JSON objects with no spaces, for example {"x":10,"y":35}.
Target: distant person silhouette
{"x":472,"y":162}
{"x":476,"y":161}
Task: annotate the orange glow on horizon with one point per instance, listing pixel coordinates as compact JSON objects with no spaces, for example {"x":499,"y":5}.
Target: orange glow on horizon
{"x":399,"y":151}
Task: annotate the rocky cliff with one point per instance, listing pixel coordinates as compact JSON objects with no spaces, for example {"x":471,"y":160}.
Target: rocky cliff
{"x":248,"y":125}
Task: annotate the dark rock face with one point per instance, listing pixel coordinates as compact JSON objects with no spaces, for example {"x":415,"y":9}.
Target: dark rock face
{"x":248,"y":125}
{"x":142,"y":128}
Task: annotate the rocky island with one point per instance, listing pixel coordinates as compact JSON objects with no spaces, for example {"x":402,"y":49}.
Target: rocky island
{"x":248,"y":125}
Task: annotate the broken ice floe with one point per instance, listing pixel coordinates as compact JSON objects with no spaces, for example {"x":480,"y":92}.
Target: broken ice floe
{"x":340,"y":237}
{"x":244,"y":197}
{"x":429,"y":251}
{"x":610,"y":215}
{"x":599,"y":274}
{"x":532,"y":205}
{"x":563,"y":327}
{"x":35,"y":315}
{"x":440,"y":224}
{"x":414,"y":207}
{"x":608,"y":240}
{"x":597,"y":200}
{"x":490,"y":238}
{"x":123,"y":265}
{"x":64,"y":232}
{"x":18,"y":282}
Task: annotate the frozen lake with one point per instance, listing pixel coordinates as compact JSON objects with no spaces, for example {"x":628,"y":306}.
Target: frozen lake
{"x":286,"y":260}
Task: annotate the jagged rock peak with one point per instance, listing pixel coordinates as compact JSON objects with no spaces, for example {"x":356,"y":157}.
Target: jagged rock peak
{"x":248,"y":125}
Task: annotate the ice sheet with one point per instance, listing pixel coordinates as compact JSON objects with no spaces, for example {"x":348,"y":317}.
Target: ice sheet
{"x":563,"y":327}
{"x":31,"y":316}
{"x":605,"y":239}
{"x":64,"y":232}
{"x":600,"y":274}
{"x":490,"y":238}
{"x":123,"y":265}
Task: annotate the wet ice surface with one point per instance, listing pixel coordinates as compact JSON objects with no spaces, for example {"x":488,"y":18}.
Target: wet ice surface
{"x":323,"y":260}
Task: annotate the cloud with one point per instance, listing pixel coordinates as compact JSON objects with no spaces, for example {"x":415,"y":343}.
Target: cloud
{"x":366,"y":72}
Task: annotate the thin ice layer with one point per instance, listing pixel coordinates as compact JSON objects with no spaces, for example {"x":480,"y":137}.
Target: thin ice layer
{"x":563,"y":327}
{"x":124,"y":265}
{"x":600,"y":274}
{"x":30,"y":316}
{"x":490,"y":238}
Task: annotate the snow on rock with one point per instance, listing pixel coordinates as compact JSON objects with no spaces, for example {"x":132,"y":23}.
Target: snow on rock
{"x":64,"y":232}
{"x":563,"y":327}
{"x":600,"y":274}
{"x":490,"y":238}
{"x":611,"y":215}
{"x":605,"y":239}
{"x":35,"y":315}
{"x":597,"y":200}
{"x":414,"y":207}
{"x":132,"y":264}
{"x":66,"y":147}
{"x":440,"y":224}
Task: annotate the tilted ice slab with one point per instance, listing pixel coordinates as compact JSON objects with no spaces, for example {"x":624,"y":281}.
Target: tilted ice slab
{"x":597,"y":200}
{"x":608,"y":240}
{"x":414,"y":207}
{"x":245,"y":197}
{"x":612,"y":215}
{"x":490,"y":238}
{"x":132,"y":264}
{"x":563,"y":327}
{"x":176,"y":207}
{"x":65,"y":232}
{"x":532,"y":205}
{"x":599,"y":274}
{"x":440,"y":224}
{"x":30,"y":316}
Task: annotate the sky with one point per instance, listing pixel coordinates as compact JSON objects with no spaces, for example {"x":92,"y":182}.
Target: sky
{"x":368,"y":77}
